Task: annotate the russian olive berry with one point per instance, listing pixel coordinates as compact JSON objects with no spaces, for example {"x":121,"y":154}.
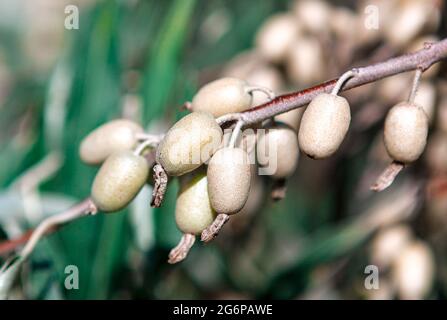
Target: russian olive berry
{"x":405,"y":133}
{"x":119,"y":180}
{"x":193,"y":211}
{"x":229,"y":180}
{"x":277,"y":151}
{"x":324,"y":125}
{"x":114,"y":136}
{"x":189,"y":143}
{"x":222,"y":96}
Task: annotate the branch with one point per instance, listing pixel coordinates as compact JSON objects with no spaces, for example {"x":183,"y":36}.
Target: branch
{"x":422,"y":59}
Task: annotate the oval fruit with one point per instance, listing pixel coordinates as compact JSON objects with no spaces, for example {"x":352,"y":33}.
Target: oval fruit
{"x":193,"y":211}
{"x":229,"y":180}
{"x":324,"y":125}
{"x":222,"y":96}
{"x":189,"y":143}
{"x":277,"y":151}
{"x":119,"y":180}
{"x":405,"y":133}
{"x":114,"y":136}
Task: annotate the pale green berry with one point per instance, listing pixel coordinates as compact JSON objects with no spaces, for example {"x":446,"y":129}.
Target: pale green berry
{"x":324,"y":125}
{"x":193,"y":211}
{"x":229,"y":180}
{"x":119,"y":180}
{"x":189,"y":143}
{"x":114,"y":136}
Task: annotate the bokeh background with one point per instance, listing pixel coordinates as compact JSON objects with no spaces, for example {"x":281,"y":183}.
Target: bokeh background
{"x":142,"y":60}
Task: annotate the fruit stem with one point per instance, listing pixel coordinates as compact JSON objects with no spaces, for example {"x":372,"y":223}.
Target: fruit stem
{"x":268,"y":92}
{"x":161,"y":183}
{"x":415,"y":86}
{"x":151,"y":141}
{"x":341,"y":81}
{"x":387,"y":177}
{"x":235,"y":133}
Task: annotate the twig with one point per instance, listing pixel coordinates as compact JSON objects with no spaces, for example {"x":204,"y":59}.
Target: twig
{"x":83,"y":208}
{"x":421,"y":59}
{"x":387,"y":177}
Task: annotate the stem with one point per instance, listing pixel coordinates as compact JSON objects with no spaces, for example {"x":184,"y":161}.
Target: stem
{"x":341,"y":81}
{"x":387,"y":177}
{"x":235,"y":133}
{"x":415,"y":86}
{"x":268,"y":92}
{"x":421,"y":59}
{"x":83,"y":208}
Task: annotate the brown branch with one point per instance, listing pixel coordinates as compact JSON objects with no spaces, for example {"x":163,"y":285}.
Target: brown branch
{"x":421,"y":59}
{"x":47,"y":226}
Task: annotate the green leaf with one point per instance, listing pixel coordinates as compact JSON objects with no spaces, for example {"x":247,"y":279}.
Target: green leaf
{"x":164,"y":59}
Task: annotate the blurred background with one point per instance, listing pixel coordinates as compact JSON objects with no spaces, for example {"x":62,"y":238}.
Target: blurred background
{"x":142,"y":60}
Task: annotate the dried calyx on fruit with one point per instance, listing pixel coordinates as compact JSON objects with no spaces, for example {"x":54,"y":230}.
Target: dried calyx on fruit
{"x":189,"y":143}
{"x":226,"y":95}
{"x":193,"y":212}
{"x":406,"y":128}
{"x":114,"y":136}
{"x":325,"y":122}
{"x":119,"y":180}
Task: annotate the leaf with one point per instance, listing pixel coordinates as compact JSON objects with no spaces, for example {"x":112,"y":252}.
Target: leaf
{"x":164,"y":59}
{"x":8,"y":273}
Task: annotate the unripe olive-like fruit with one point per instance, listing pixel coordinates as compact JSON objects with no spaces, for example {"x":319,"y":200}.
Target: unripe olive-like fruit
{"x":314,"y":15}
{"x":276,"y":35}
{"x":189,"y":143}
{"x":405,"y":133}
{"x":305,"y":61}
{"x":324,"y":125}
{"x":119,"y":180}
{"x":277,"y":151}
{"x":114,"y":136}
{"x":222,"y":96}
{"x":414,"y":270}
{"x":193,"y":211}
{"x":229,"y":180}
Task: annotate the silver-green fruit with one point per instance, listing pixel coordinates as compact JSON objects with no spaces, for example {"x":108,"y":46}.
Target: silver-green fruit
{"x":405,"y":133}
{"x":277,"y":151}
{"x":222,"y":96}
{"x":193,"y":211}
{"x":119,"y":180}
{"x":229,"y":180}
{"x":114,"y":136}
{"x":324,"y":125}
{"x":189,"y":143}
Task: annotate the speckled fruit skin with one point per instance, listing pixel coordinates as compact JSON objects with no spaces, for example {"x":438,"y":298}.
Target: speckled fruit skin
{"x":193,"y":211}
{"x":324,"y":125}
{"x":114,"y":136}
{"x":119,"y":180}
{"x":222,"y":96}
{"x":287,"y":152}
{"x":229,"y":180}
{"x":189,"y":143}
{"x":405,"y":133}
